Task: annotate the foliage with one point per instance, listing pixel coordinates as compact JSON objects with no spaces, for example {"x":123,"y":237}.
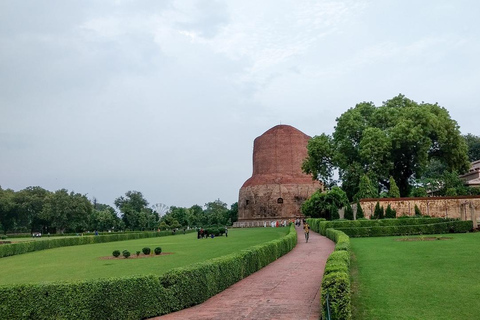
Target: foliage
{"x":157,"y":250}
{"x":366,"y":189}
{"x":419,"y":192}
{"x":390,"y":213}
{"x":116,"y":253}
{"x":398,"y":139}
{"x":360,"y":214}
{"x":135,"y":213}
{"x":393,"y":192}
{"x":418,"y":212}
{"x":139,"y":297}
{"x":325,"y":204}
{"x":348,"y":214}
{"x":126,"y":253}
{"x":138,"y":252}
{"x":146,"y":251}
{"x":473,"y":144}
{"x":378,"y":212}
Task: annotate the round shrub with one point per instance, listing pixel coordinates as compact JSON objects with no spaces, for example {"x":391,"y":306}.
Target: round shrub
{"x":138,"y":253}
{"x":146,"y":251}
{"x":116,"y":253}
{"x":126,"y":253}
{"x":157,"y":250}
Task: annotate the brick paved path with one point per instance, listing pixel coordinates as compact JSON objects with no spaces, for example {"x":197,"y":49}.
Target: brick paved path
{"x":285,"y":289}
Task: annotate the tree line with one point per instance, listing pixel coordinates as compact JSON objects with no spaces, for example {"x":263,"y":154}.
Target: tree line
{"x":400,"y":148}
{"x":35,"y":209}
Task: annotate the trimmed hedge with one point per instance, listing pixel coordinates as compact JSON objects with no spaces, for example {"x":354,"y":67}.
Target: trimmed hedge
{"x":31,"y":246}
{"x":342,"y":224}
{"x":140,"y":296}
{"x":336,"y":278}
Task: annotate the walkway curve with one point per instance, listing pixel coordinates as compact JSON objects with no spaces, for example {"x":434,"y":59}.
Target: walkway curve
{"x":288,"y":288}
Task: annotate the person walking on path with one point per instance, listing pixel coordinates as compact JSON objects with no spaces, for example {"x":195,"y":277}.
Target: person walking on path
{"x":306,"y":229}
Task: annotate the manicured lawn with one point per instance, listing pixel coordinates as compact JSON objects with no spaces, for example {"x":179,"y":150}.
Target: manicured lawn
{"x":416,"y":279}
{"x":83,"y":262}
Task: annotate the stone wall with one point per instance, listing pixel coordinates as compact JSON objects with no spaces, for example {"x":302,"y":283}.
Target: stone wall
{"x":461,"y":207}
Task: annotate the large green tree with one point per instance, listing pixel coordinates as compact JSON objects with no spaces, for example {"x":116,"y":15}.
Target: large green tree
{"x":398,"y":139}
{"x":131,"y":206}
{"x":325,"y":204}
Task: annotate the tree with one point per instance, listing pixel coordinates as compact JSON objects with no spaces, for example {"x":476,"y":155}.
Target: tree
{"x":360,"y":214}
{"x":348,"y":212}
{"x":7,"y":209}
{"x":131,"y":206}
{"x":63,"y":210}
{"x":378,"y":212}
{"x":390,"y":213}
{"x":418,"y":212}
{"x":393,"y":192}
{"x":30,"y":203}
{"x":366,"y":189}
{"x":325,"y":204}
{"x":473,"y":144}
{"x":398,"y":139}
{"x":319,"y":161}
{"x":217,"y":212}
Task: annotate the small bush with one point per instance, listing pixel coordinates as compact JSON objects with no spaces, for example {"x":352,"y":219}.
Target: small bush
{"x":3,"y":237}
{"x":146,"y":251}
{"x":157,"y":250}
{"x":116,"y":253}
{"x":126,"y":253}
{"x":138,"y":253}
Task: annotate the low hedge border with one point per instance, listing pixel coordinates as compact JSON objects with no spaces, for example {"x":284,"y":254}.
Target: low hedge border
{"x":341,"y":224}
{"x":140,"y":296}
{"x":336,"y":277}
{"x":12,"y":249}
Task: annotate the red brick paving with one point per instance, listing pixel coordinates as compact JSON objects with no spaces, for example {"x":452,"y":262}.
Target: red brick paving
{"x":285,"y":289}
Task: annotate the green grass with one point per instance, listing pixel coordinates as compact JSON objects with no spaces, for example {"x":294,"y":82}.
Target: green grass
{"x":416,"y":279}
{"x":83,"y":262}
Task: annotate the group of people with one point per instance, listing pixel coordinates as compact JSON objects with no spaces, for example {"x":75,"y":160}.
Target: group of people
{"x":276,"y":223}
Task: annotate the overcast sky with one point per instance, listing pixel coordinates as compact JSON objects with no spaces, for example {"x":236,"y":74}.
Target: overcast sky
{"x":166,"y":97}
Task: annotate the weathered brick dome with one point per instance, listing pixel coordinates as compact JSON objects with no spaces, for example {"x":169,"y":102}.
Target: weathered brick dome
{"x":277,"y":187}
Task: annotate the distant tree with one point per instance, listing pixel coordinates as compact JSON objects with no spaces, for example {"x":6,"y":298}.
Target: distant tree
{"x":30,"y":203}
{"x":319,"y":162}
{"x":131,"y":206}
{"x":419,"y":192}
{"x":217,"y":212}
{"x":348,"y":214}
{"x":360,"y":213}
{"x":233,"y":213}
{"x":473,"y":144}
{"x":394,"y":192}
{"x":390,"y":213}
{"x":7,"y":209}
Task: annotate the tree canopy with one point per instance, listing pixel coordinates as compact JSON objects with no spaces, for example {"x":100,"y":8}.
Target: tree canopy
{"x":473,"y":143}
{"x":397,"y":139}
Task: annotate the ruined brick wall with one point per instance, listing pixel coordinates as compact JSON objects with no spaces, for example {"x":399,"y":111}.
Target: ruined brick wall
{"x":461,"y":207}
{"x":277,"y":187}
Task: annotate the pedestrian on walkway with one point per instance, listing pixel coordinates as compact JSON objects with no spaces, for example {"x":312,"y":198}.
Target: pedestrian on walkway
{"x":306,"y":229}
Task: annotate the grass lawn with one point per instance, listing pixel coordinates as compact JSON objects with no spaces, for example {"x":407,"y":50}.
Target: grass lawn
{"x":416,"y":279}
{"x":83,"y":262}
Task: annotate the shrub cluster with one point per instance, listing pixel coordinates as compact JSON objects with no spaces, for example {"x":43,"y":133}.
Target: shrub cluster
{"x":139,"y":297}
{"x":30,"y":246}
{"x":146,"y":251}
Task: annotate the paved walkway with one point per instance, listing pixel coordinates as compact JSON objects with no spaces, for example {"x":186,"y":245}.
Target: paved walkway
{"x":288,"y":288}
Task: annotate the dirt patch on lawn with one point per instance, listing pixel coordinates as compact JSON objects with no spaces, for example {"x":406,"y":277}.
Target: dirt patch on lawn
{"x":134,"y":256}
{"x":424,"y":238}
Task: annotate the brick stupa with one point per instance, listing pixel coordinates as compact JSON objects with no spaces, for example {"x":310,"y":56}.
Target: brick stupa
{"x":277,"y":187}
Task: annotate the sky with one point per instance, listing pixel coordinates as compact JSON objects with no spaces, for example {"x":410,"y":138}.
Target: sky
{"x":166,"y":97}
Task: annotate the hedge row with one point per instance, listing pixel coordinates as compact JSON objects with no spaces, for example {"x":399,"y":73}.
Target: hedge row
{"x":140,"y":296}
{"x":403,"y":230}
{"x":37,"y":245}
{"x":336,"y":277}
{"x":341,"y":224}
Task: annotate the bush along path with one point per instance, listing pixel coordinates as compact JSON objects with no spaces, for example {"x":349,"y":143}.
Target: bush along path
{"x":285,"y":289}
